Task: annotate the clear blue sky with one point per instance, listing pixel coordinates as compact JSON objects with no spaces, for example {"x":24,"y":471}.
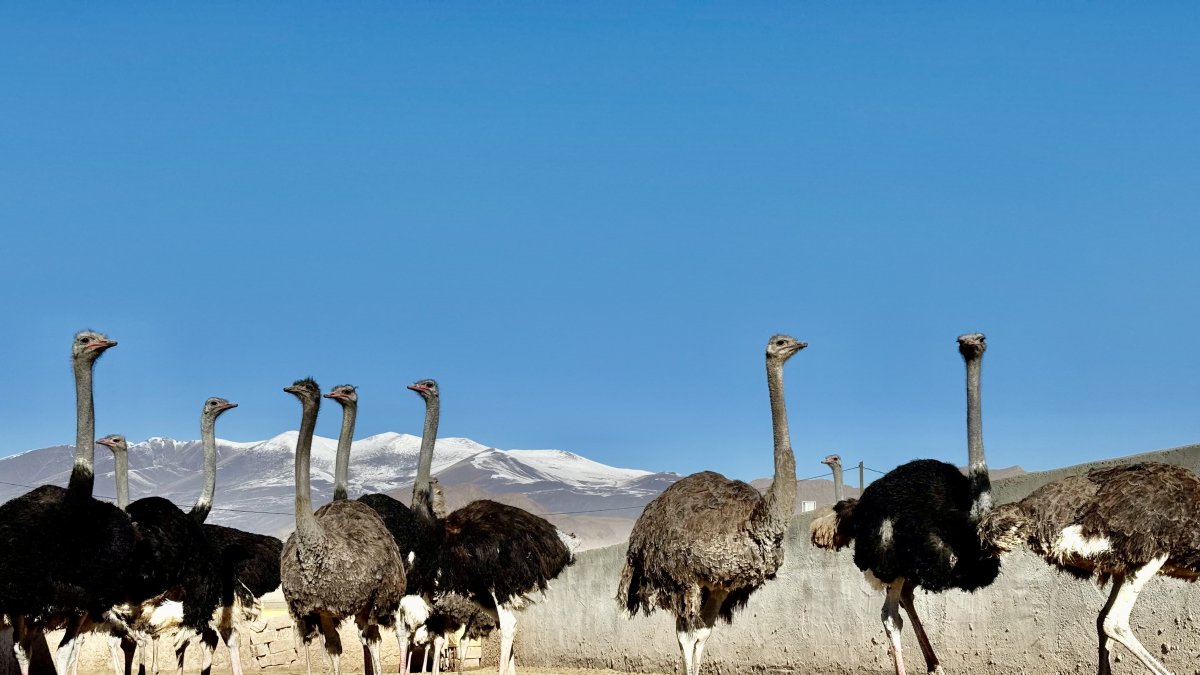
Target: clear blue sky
{"x":586,"y":219}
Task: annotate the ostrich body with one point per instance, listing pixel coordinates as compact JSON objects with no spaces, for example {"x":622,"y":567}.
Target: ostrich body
{"x":706,"y":543}
{"x":340,"y":564}
{"x":452,"y":617}
{"x":1122,"y":524}
{"x":493,"y":553}
{"x":249,"y":569}
{"x":834,"y":462}
{"x":71,"y":555}
{"x":917,"y":525}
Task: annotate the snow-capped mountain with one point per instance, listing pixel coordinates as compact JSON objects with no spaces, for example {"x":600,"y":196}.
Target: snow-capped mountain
{"x":255,"y":480}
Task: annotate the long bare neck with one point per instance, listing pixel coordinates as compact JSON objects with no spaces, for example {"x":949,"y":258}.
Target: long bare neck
{"x":981,"y":485}
{"x":422,"y":499}
{"x":121,"y":469}
{"x":780,"y":499}
{"x":308,"y":530}
{"x":341,"y":466}
{"x":838,"y":486}
{"x":208,"y":436}
{"x":83,"y":471}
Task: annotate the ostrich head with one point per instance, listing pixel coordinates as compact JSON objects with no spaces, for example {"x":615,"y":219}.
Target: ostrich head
{"x":114,"y":442}
{"x":307,"y":390}
{"x":783,"y":347}
{"x":1003,"y":529}
{"x":427,"y":389}
{"x":214,"y":406}
{"x":832,"y":460}
{"x":439,"y":498}
{"x":971,"y":345}
{"x":346,"y":394}
{"x":89,"y":345}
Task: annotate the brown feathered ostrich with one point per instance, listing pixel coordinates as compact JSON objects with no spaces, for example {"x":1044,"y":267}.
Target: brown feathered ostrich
{"x":706,"y":543}
{"x":340,"y":563}
{"x":1124,"y":524}
{"x":916,"y":526}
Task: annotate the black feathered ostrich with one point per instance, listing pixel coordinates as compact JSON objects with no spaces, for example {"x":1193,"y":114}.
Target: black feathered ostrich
{"x":173,"y":561}
{"x":66,"y":555}
{"x":493,"y":553}
{"x":1122,"y":524}
{"x":706,"y":543}
{"x":916,"y":526}
{"x":411,"y":534}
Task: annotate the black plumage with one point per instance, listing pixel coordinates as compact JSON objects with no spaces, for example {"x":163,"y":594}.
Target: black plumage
{"x":173,"y":556}
{"x":62,"y":553}
{"x":489,"y":548}
{"x":915,"y":523}
{"x":249,"y":563}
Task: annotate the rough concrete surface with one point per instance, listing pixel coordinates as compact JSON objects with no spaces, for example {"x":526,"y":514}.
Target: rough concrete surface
{"x":820,"y":616}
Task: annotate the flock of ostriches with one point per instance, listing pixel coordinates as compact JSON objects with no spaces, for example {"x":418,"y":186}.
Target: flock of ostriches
{"x":699,"y":550}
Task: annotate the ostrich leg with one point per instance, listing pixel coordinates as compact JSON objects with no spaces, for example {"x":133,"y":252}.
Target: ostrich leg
{"x":333,"y":644}
{"x":115,"y":651}
{"x":68,"y":648}
{"x":508,"y":629}
{"x":439,"y":645}
{"x":708,"y":613}
{"x":21,"y":640}
{"x":893,"y":623}
{"x":369,"y":634}
{"x":1105,"y":667}
{"x":402,"y":642}
{"x":229,"y":635}
{"x":1116,"y":624}
{"x":931,"y":660}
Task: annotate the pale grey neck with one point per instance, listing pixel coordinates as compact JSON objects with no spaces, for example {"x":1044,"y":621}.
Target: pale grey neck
{"x":308,"y":530}
{"x":977,"y":469}
{"x":780,"y":499}
{"x":341,"y":467}
{"x":208,"y":437}
{"x":121,"y":470}
{"x":83,"y":472}
{"x":838,"y":485}
{"x":422,"y":499}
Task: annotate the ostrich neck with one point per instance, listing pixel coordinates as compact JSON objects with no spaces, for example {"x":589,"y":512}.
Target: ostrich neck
{"x":208,"y":436}
{"x":422,"y":499}
{"x":308,"y":530}
{"x":981,"y":486}
{"x":838,"y":488}
{"x":83,"y":472}
{"x":121,"y":469}
{"x":341,"y":468}
{"x":780,"y":500}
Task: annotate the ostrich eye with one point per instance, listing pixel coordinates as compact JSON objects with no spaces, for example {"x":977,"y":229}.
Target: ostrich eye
{"x":84,"y":340}
{"x":779,"y":343}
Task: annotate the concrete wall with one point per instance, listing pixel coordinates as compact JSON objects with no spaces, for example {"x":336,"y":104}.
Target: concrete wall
{"x":821,"y":617}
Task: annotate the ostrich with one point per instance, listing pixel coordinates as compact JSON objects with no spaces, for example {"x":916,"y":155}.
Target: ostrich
{"x":834,"y":462}
{"x":83,"y":568}
{"x":706,"y":543}
{"x":338,"y":564}
{"x":1125,"y":524}
{"x":916,"y":526}
{"x":457,"y":616}
{"x":410,"y":533}
{"x":249,"y":569}
{"x":175,"y":562}
{"x":493,"y":553}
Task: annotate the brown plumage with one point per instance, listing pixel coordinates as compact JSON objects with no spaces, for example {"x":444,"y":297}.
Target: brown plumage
{"x":340,"y":562}
{"x":1123,"y":524}
{"x":706,"y":543}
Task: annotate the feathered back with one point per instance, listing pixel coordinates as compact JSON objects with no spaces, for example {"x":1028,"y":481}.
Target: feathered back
{"x":172,"y":552}
{"x":249,"y":562}
{"x":915,"y":523}
{"x":416,"y":539}
{"x":73,"y":555}
{"x":835,"y":530}
{"x":492,"y":548}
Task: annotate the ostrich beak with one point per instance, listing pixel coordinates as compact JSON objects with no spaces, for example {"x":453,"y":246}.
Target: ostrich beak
{"x":226,"y":406}
{"x":101,"y":345}
{"x":419,"y":388}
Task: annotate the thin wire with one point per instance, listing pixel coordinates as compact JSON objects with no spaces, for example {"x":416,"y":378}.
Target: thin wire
{"x":283,"y":513}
